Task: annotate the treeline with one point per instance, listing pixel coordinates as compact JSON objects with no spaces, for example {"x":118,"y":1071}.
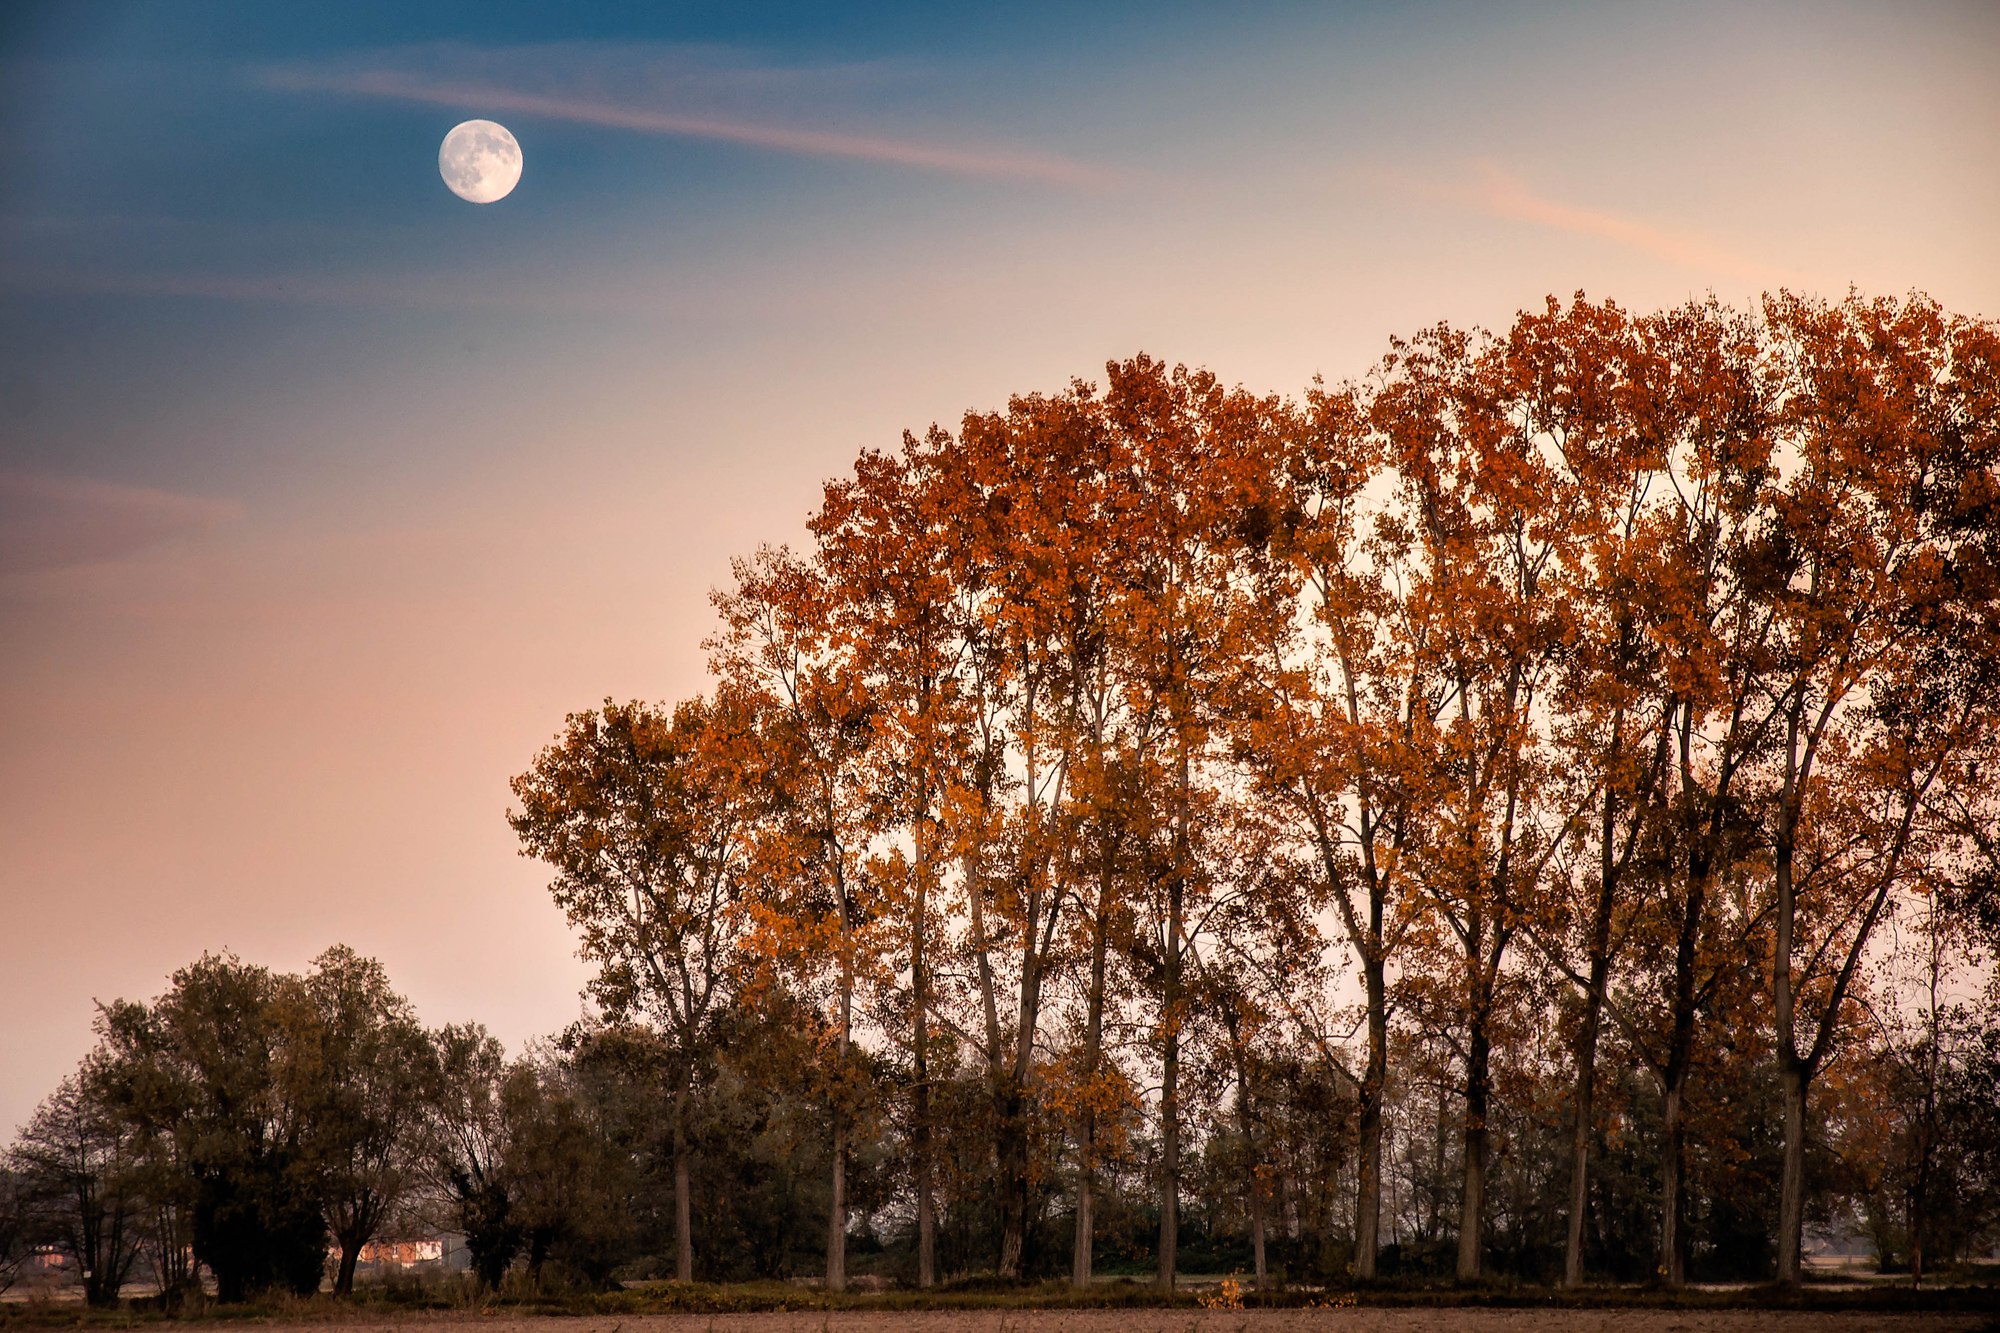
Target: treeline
{"x":1529,"y":810}
{"x":260,"y":1129}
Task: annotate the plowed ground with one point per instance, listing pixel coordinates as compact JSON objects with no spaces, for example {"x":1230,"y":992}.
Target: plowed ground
{"x":1353,"y":1320}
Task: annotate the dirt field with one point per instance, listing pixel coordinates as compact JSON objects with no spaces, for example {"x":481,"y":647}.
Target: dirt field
{"x":1239,"y":1321}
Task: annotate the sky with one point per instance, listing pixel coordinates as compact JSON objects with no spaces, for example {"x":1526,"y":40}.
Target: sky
{"x":325,"y":495}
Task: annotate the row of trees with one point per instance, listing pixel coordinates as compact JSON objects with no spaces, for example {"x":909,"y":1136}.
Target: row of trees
{"x":266,"y":1127}
{"x":1530,"y":808}
{"x":232,"y":1123}
{"x":563,"y":1164}
{"x":1598,"y":691}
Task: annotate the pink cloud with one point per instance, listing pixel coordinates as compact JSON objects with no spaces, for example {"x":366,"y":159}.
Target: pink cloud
{"x":57,"y":522}
{"x":1498,"y":194}
{"x":988,"y":163}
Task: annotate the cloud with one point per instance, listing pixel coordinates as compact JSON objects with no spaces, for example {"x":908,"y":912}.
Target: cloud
{"x":416,"y":291}
{"x":56,"y":522}
{"x":1498,"y":194}
{"x":682,"y":92}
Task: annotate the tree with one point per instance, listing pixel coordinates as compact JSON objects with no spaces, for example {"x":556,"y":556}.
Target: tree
{"x":1473,"y":545}
{"x":1881,"y":537}
{"x":1586,"y":383}
{"x":646,"y":818}
{"x":72,"y":1173}
{"x":466,"y":1146}
{"x":1704,"y":600}
{"x":816,"y":918}
{"x":214,"y":1050}
{"x":13,"y":1229}
{"x":892,"y":543}
{"x":1194,"y":496}
{"x":1042,"y":507}
{"x":147,"y":1090}
{"x":1323,"y":718}
{"x":359,"y":1062}
{"x":567,"y":1180}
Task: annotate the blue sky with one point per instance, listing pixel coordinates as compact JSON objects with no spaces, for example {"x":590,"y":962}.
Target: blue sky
{"x":324,"y":494}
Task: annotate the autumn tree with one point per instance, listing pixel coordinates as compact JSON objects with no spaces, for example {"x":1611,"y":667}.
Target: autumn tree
{"x":1472,"y":548}
{"x":1701,"y":602}
{"x":1043,"y":513}
{"x":1589,"y":386}
{"x":647,"y":818}
{"x":893,"y":542}
{"x":1323,"y":718}
{"x":816,"y":919}
{"x":1880,"y":559}
{"x":1193,"y":500}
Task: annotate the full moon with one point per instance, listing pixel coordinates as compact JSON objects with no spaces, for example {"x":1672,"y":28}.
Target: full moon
{"x":480,"y":161}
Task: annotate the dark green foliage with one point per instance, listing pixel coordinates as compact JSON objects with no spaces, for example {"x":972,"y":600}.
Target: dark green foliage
{"x":257,"y":1223}
{"x":217,"y":1042}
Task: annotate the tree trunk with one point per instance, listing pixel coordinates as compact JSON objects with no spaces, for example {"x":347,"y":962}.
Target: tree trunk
{"x":1919,"y":1206}
{"x":1257,"y":1234}
{"x":836,"y":1226}
{"x":1792,"y":1073}
{"x":1170,"y":1159}
{"x":1674,"y":1079}
{"x":1586,"y":1090}
{"x":1918,"y":1189}
{"x":1013,"y":1185}
{"x":1472,"y":1201}
{"x":1247,"y":1123}
{"x":683,"y":1204}
{"x":683,"y":1218}
{"x":1368,"y":1179}
{"x":1608,"y":867}
{"x":1013,"y":1128}
{"x":1170,"y":1097}
{"x":1093,"y":1041}
{"x":343,"y":1281}
{"x":1673,"y":1157}
{"x":1086,"y":1183}
{"x":921,"y":1100}
{"x":926,"y":1209}
{"x":1792,"y":1078}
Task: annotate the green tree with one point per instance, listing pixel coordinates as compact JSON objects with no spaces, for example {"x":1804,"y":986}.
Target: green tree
{"x":214,"y":1049}
{"x":466,"y":1143}
{"x":357,"y":1060}
{"x":567,"y":1180}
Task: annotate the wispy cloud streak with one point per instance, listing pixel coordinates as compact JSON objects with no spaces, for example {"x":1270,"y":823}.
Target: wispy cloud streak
{"x":1498,"y":194}
{"x":49,"y":523}
{"x":413,"y":291}
{"x":986,"y":163}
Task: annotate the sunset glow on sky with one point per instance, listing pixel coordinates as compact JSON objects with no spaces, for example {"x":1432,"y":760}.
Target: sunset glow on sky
{"x":324,"y":495}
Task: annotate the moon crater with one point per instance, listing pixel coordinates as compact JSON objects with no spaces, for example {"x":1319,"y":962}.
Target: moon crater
{"x":480,"y":161}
